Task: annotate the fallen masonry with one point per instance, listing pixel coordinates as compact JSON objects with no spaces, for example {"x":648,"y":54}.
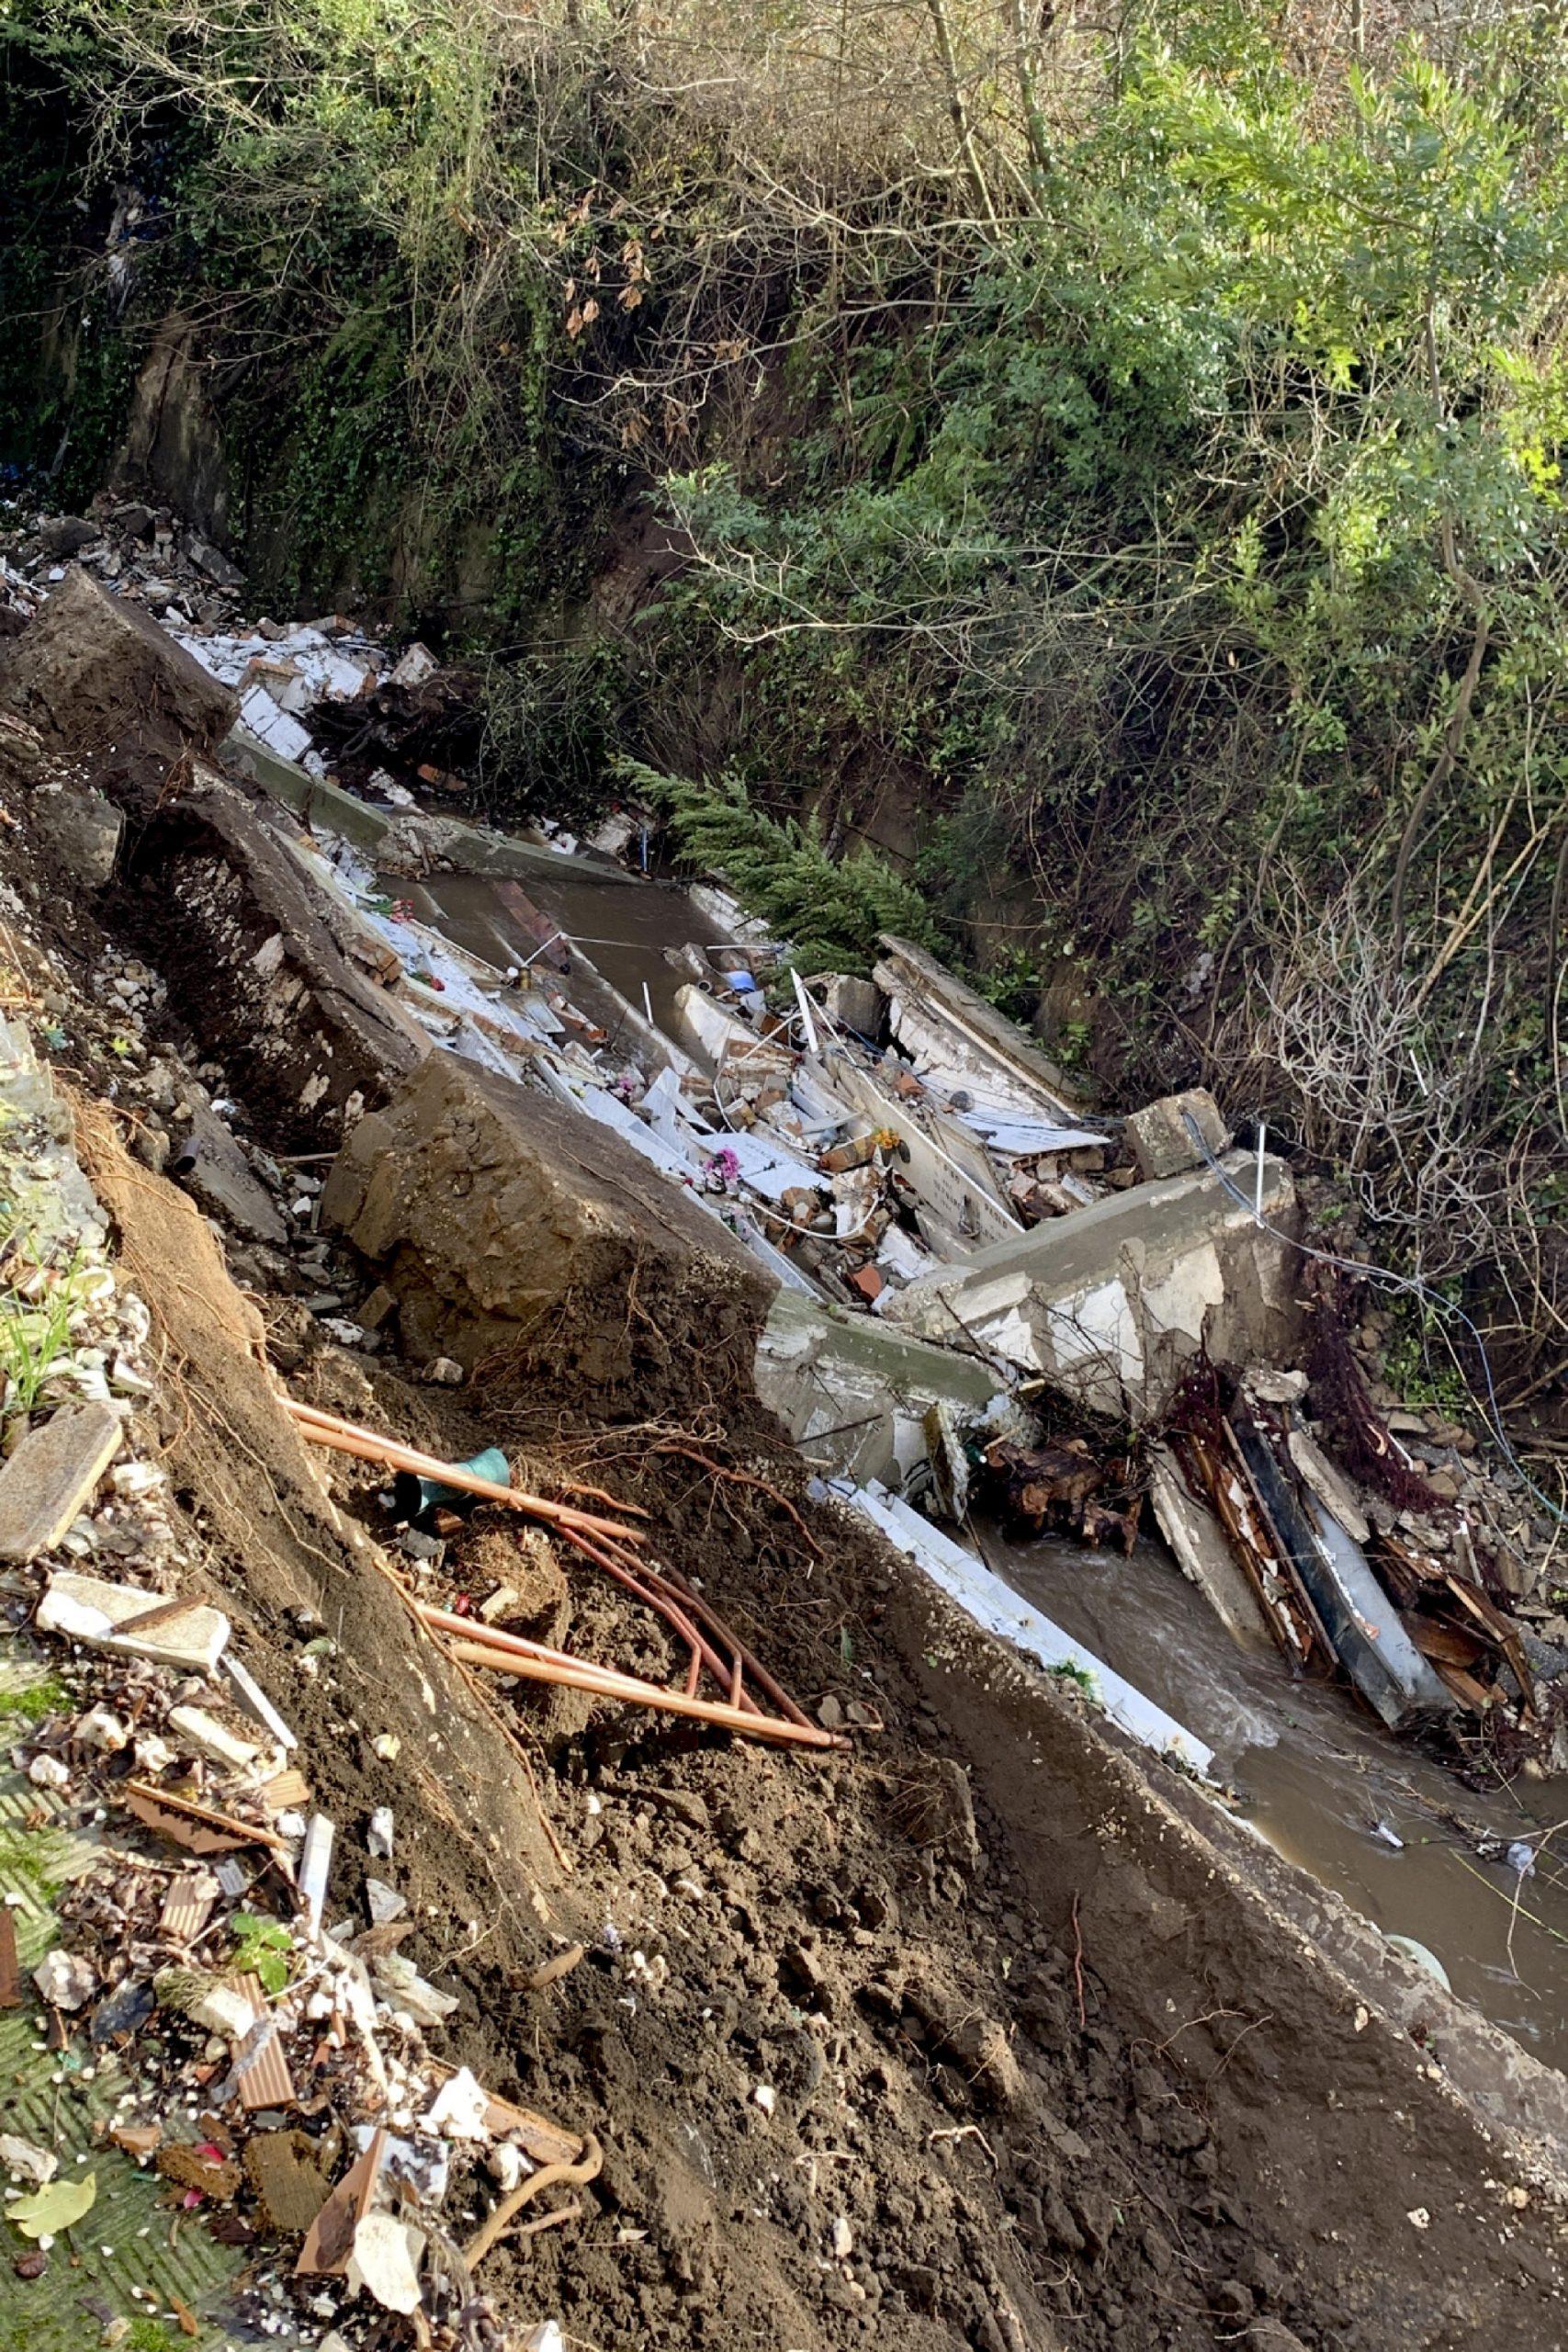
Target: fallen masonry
{"x":445,"y":2002}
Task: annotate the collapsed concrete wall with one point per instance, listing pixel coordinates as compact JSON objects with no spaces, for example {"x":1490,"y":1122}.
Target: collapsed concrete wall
{"x":1112,"y":1302}
{"x":854,"y":1396}
{"x":270,"y":965}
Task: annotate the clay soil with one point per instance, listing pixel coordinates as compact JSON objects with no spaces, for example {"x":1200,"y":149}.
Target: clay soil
{"x":961,"y":2038}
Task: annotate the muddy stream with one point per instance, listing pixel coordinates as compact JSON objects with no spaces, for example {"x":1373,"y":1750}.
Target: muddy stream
{"x":622,"y":929}
{"x":1325,"y":1784}
{"x":1315,"y":1777}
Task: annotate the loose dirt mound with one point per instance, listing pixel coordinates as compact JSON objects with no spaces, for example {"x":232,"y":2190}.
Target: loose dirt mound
{"x":101,"y":681}
{"x":284,"y":1561}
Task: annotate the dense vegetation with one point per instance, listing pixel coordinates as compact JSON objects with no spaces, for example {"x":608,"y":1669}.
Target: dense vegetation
{"x":1118,"y":472}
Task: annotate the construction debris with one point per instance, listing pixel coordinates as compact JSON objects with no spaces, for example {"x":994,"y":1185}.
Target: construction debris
{"x":52,"y":1475}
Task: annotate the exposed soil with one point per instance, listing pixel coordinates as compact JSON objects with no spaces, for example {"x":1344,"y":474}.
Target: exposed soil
{"x":1043,"y":2072}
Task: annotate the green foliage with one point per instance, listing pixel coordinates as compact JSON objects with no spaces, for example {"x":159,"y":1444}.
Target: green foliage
{"x":150,"y":2334}
{"x":1012,"y":983}
{"x":33,"y":1335}
{"x":1178,"y":516}
{"x":344,"y":191}
{"x":262,"y":1949}
{"x":829,"y":911}
{"x":1077,"y":1678}
{"x":552,"y":723}
{"x":1418,"y":1361}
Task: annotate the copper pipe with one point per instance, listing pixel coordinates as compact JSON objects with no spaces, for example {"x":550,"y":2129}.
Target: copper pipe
{"x":567,"y":1672}
{"x":674,"y":1587}
{"x":581,"y":1674}
{"x":447,"y":1620}
{"x":346,"y":1437}
{"x":665,"y":1591}
{"x":649,"y":1588}
{"x":722,"y":1632}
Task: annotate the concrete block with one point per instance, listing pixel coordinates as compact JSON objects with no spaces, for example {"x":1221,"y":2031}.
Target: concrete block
{"x":1112,"y":1302}
{"x":133,"y":1623}
{"x":215,"y":1170}
{"x":1158,"y":1135}
{"x":859,"y":1004}
{"x":49,"y":1479}
{"x":91,"y":668}
{"x":83,"y":829}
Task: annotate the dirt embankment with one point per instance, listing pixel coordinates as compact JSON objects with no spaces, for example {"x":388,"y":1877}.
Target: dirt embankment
{"x":964,"y":2038}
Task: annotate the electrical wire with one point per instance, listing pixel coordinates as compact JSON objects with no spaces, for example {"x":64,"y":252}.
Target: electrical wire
{"x":1384,"y":1278}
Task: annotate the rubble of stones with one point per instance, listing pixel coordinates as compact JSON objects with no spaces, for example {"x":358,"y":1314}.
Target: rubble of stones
{"x":143,"y":552}
{"x":277,"y":2074}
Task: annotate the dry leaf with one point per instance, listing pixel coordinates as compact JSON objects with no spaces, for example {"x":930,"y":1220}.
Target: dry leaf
{"x":55,"y":2208}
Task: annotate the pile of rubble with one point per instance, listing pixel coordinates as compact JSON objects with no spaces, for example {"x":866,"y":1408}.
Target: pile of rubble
{"x":264,"y":2056}
{"x":145,"y":553}
{"x":893,"y":1147}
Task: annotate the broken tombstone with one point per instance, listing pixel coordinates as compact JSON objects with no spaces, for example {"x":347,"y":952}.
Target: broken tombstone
{"x":1161,"y":1141}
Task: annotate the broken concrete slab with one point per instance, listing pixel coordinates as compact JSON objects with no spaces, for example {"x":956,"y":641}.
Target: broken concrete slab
{"x":215,"y":1740}
{"x":947,"y":1167}
{"x":133,"y":1623}
{"x":1204,"y":1557}
{"x":855,"y":1395}
{"x":983,"y":1595}
{"x":215,"y":1171}
{"x":49,"y":1479}
{"x":859,"y":1004}
{"x":83,"y":829}
{"x":1328,"y":1483}
{"x":942,"y":1024}
{"x":1161,"y":1142}
{"x":97,"y":676}
{"x":722,"y":1038}
{"x":1112,"y":1302}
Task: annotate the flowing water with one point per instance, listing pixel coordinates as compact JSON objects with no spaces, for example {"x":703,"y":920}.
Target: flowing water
{"x":623,"y":928}
{"x":1321,"y":1781}
{"x":1324,"y":1783}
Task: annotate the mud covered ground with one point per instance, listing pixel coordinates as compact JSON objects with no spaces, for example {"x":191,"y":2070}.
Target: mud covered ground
{"x":962,"y":2039}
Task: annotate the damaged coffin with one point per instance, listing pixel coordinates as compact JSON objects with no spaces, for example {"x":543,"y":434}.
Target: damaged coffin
{"x":1361,"y":1621}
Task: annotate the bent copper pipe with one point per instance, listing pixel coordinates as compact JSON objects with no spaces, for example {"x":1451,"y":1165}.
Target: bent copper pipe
{"x":347,"y":1436}
{"x":569,"y":1673}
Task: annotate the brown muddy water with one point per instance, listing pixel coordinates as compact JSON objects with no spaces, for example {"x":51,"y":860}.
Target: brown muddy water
{"x":623,"y":928}
{"x":1318,"y":1779}
{"x":1323,"y":1782}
